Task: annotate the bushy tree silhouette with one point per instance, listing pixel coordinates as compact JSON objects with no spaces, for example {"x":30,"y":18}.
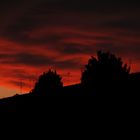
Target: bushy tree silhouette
{"x":105,"y":68}
{"x":49,"y":83}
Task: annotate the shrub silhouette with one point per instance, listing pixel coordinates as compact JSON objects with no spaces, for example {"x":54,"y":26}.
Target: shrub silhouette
{"x":103,"y":69}
{"x":49,"y":83}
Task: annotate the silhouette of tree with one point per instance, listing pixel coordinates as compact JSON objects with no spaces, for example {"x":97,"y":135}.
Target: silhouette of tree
{"x":49,"y":83}
{"x":105,"y":68}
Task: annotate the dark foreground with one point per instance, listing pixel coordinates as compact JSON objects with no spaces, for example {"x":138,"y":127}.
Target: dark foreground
{"x":73,"y":98}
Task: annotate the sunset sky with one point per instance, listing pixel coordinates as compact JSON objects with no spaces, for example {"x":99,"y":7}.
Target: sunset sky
{"x":36,"y":35}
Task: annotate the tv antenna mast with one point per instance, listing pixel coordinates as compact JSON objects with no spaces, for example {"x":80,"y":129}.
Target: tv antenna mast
{"x":21,"y":86}
{"x":68,"y":75}
{"x":130,"y":62}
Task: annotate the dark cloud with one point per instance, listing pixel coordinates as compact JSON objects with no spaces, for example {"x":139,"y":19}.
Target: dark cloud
{"x":24,"y":17}
{"x":22,"y":74}
{"x":35,"y":14}
{"x":37,"y":61}
{"x":132,"y":24}
{"x":18,"y":83}
{"x":73,"y":48}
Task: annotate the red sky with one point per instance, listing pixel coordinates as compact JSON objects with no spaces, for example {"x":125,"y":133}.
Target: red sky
{"x":36,"y":35}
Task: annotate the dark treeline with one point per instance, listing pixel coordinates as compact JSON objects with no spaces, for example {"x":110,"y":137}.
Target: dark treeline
{"x":104,"y":77}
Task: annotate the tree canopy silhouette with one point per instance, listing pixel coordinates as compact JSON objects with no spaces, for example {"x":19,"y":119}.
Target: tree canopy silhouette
{"x":106,"y":67}
{"x":49,"y":83}
{"x":103,"y":72}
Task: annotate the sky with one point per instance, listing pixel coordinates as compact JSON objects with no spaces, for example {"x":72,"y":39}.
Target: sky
{"x":36,"y":35}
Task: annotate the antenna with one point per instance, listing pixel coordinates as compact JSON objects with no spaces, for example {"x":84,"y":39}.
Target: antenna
{"x":68,"y":76}
{"x":33,"y":81}
{"x":21,"y":86}
{"x":82,"y":69}
{"x":130,"y":62}
{"x":30,"y":84}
